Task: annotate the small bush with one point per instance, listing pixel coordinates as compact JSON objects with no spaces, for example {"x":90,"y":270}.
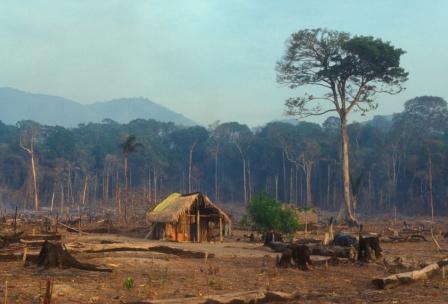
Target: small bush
{"x":128,"y":283}
{"x":268,"y":214}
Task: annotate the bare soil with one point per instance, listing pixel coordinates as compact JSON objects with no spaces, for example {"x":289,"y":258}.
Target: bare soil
{"x":236,"y":266}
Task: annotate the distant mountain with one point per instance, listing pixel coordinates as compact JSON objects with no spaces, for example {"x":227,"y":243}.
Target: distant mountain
{"x":16,"y":105}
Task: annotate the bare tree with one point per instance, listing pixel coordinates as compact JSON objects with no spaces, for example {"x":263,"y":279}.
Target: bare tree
{"x":29,"y":149}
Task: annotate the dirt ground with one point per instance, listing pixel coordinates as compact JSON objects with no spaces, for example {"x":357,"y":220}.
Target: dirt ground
{"x":237,"y":265}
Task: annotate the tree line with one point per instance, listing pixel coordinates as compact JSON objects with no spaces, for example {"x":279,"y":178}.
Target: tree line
{"x":397,"y":161}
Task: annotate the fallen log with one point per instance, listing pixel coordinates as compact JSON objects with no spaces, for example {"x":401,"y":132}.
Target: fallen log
{"x":333,"y":251}
{"x":181,"y":252}
{"x":410,"y":276}
{"x":319,"y":249}
{"x":47,"y":237}
{"x":7,"y":238}
{"x":278,"y":246}
{"x":70,"y":229}
{"x":52,"y":254}
{"x":254,"y":296}
{"x":409,"y":238}
{"x":117,"y":247}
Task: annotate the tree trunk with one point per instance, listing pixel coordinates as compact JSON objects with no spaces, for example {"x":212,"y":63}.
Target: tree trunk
{"x":291,"y":188}
{"x":154,"y":180}
{"x":84,"y":192}
{"x":36,"y":195}
{"x":308,"y":170}
{"x":30,"y":152}
{"x":216,"y":173}
{"x":149,"y":185}
{"x":328,"y":185}
{"x":52,"y":201}
{"x":249,"y":176}
{"x":244,"y":173}
{"x":244,"y":180}
{"x":125,"y":196}
{"x":117,"y":194}
{"x":190,"y":160}
{"x":62,"y":199}
{"x":346,"y":170}
{"x":431,"y":199}
{"x":276,"y":187}
{"x":284,"y":175}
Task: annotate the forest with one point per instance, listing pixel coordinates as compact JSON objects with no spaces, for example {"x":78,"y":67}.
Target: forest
{"x":397,"y":161}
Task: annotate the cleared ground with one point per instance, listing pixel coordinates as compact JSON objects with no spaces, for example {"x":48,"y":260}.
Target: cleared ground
{"x":236,"y":266}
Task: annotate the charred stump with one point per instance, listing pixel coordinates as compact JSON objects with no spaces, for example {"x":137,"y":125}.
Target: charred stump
{"x":369,"y":248}
{"x":52,"y":254}
{"x":299,"y":254}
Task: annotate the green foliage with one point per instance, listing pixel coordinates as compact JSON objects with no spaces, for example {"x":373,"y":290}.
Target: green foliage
{"x":128,"y":283}
{"x":352,"y":69}
{"x":267,"y":214}
{"x":129,"y":144}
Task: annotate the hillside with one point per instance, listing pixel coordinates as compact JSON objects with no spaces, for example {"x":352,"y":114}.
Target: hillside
{"x":18,"y":105}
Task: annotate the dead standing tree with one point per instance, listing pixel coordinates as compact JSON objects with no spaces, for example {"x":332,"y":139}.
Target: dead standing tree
{"x":29,"y":149}
{"x":348,"y":72}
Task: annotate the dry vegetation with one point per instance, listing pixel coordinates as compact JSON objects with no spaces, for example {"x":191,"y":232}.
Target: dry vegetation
{"x":141,"y":274}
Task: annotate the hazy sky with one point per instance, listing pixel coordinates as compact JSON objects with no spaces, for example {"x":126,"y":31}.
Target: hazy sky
{"x":210,"y":60}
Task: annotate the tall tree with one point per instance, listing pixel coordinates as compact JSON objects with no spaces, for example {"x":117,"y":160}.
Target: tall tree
{"x":128,"y":146}
{"x":29,"y":135}
{"x":349,"y":72}
{"x":240,"y":136}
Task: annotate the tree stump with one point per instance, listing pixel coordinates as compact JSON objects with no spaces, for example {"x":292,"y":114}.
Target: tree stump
{"x":52,"y":254}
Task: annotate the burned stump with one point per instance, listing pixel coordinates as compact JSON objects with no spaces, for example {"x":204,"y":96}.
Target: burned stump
{"x":52,"y":254}
{"x":369,"y":248}
{"x":299,"y":254}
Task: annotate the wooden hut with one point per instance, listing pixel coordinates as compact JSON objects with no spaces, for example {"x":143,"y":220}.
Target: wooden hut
{"x":189,"y":217}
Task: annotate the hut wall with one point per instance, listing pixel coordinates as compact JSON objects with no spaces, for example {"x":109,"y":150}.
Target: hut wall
{"x":183,"y":228}
{"x":170,"y":232}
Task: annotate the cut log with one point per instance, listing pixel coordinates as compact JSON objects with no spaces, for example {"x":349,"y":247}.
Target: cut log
{"x":52,"y":254}
{"x":254,"y":296}
{"x":278,"y":246}
{"x":181,"y":252}
{"x":117,"y":247}
{"x":47,"y":237}
{"x":333,"y":251}
{"x":318,"y":249}
{"x":70,"y":229}
{"x":409,"y":277}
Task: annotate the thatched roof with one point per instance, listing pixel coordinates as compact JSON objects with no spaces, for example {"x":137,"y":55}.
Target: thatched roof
{"x":176,"y":204}
{"x":303,"y":215}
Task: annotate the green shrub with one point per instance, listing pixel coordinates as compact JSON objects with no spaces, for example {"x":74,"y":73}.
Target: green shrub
{"x":268,"y":214}
{"x":128,"y":283}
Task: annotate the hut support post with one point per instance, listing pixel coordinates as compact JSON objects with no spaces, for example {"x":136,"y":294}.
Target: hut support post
{"x":198,"y":230}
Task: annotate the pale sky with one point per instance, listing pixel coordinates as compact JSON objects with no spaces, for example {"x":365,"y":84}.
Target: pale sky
{"x":207,"y":59}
